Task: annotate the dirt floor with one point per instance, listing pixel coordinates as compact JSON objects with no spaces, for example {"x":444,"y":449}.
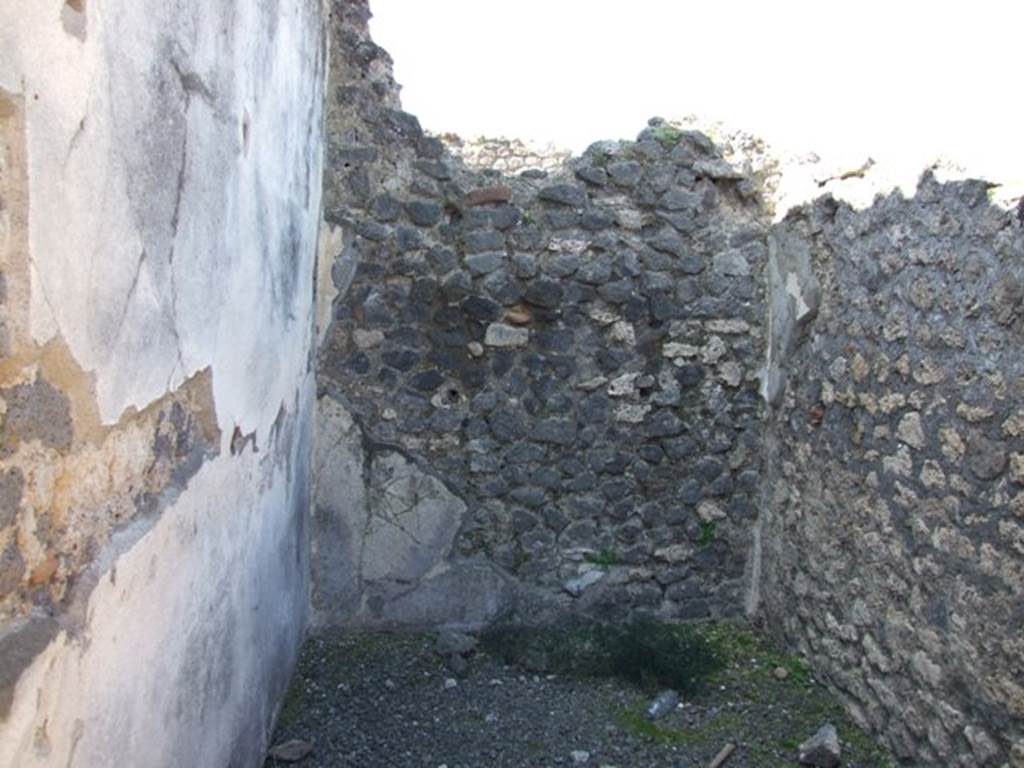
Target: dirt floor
{"x":521,"y":699}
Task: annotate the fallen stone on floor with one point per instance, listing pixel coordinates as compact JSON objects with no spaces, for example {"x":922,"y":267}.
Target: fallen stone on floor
{"x":449,"y":642}
{"x":455,"y":648}
{"x":291,"y":751}
{"x":822,"y":749}
{"x":576,"y":586}
{"x":663,"y":704}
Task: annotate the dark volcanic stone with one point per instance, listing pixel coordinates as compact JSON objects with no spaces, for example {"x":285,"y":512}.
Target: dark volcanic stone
{"x":625,"y":173}
{"x":507,"y":424}
{"x":435,"y":169}
{"x":544,"y":293}
{"x":559,"y":431}
{"x":482,"y":309}
{"x":423,"y":213}
{"x":679,"y":199}
{"x":529,"y":497}
{"x":371,"y":230}
{"x":504,"y":217}
{"x":408,"y":239}
{"x":564,"y":194}
{"x":668,"y":241}
{"x":986,"y":458}
{"x":427,"y":381}
{"x":592,"y":175}
{"x":483,"y":240}
{"x":663,"y":424}
{"x":385,"y":208}
{"x":485,"y":263}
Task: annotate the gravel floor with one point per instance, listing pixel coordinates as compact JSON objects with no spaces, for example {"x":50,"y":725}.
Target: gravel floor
{"x":367,"y":700}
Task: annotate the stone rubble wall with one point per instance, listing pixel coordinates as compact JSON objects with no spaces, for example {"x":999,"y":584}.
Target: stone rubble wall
{"x":547,"y":381}
{"x":894,"y":511}
{"x":614,"y":385}
{"x":160,"y":170}
{"x":509,"y":156}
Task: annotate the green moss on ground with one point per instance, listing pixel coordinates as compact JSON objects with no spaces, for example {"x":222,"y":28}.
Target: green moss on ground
{"x":799,"y":703}
{"x":731,"y":676}
{"x":636,"y":723}
{"x":295,"y":705}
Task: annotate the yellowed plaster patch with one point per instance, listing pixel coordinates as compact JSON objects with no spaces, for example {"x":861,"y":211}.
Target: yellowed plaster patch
{"x":74,"y":500}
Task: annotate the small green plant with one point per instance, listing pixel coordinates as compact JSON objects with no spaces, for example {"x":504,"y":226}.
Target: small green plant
{"x":520,"y":558}
{"x":637,"y":724}
{"x":605,"y":558}
{"x":799,"y":673}
{"x":650,"y":654}
{"x":295,"y":704}
{"x":668,"y":135}
{"x":707,"y":533}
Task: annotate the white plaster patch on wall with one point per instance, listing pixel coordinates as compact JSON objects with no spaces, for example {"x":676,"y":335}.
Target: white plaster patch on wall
{"x":383,"y":539}
{"x":339,"y":505}
{"x":411,"y":521}
{"x":331,"y":243}
{"x":145,"y":212}
{"x":795,"y":290}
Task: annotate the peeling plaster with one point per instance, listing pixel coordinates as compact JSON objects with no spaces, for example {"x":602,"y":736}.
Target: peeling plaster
{"x":84,"y":480}
{"x":156,"y":327}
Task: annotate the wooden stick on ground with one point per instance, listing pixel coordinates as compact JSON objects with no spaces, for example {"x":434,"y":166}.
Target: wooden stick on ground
{"x":722,"y":756}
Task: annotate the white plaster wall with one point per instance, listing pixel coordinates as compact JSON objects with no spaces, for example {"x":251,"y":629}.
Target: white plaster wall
{"x":135,"y":143}
{"x":174,"y":163}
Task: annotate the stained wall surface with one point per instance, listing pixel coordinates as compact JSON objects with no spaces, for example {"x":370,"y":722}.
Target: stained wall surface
{"x":159,"y":202}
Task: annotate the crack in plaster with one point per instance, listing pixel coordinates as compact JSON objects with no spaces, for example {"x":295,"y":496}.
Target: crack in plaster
{"x":76,"y":139}
{"x":131,"y":291}
{"x":394,"y":510}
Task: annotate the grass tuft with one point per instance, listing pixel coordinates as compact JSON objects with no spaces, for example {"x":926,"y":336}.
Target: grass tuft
{"x":637,"y":724}
{"x":707,"y":533}
{"x":668,"y":135}
{"x":605,"y":558}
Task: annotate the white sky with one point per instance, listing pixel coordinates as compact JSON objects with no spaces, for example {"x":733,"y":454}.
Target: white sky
{"x":900,"y":80}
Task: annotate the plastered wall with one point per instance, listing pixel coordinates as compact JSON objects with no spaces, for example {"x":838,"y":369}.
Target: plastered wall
{"x":159,"y":205}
